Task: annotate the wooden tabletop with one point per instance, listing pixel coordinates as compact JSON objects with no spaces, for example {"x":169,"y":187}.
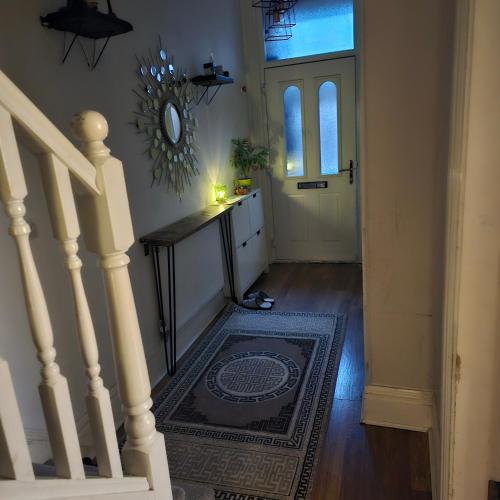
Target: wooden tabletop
{"x":174,"y":233}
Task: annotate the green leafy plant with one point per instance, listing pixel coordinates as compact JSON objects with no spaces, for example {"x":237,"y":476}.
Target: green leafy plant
{"x":247,"y":157}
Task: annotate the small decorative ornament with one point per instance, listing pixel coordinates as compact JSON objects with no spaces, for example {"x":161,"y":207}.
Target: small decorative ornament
{"x":164,"y":117}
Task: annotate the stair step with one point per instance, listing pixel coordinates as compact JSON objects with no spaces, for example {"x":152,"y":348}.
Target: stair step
{"x":53,"y":488}
{"x":181,"y":490}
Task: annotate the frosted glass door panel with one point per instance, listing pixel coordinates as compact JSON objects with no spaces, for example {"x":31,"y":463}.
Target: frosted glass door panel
{"x":323,"y":26}
{"x":328,"y":129}
{"x":294,"y":151}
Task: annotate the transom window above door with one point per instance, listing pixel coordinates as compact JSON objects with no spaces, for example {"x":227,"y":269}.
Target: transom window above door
{"x":322,"y":26}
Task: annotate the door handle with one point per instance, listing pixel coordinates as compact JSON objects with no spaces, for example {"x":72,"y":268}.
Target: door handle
{"x":350,"y":170}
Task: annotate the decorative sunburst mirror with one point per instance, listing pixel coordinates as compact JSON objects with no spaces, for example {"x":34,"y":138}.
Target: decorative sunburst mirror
{"x":165,"y":118}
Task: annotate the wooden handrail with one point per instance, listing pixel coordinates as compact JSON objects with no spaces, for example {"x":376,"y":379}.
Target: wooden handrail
{"x":42,"y":136}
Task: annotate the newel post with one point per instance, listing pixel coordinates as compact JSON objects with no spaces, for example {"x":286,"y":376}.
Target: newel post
{"x":107,"y":229}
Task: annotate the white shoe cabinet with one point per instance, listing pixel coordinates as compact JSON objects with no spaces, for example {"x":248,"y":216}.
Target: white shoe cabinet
{"x":249,"y":240}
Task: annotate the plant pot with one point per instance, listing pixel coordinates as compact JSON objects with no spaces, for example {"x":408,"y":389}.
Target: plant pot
{"x":245,"y":182}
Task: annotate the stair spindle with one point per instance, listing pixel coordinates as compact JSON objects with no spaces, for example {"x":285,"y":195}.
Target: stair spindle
{"x":66,"y":229}
{"x":107,"y":228}
{"x":54,"y":391}
{"x":15,"y":461}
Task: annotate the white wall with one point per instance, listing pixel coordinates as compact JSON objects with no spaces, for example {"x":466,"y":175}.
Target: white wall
{"x":30,"y":56}
{"x":406,"y":49}
{"x":475,"y":458}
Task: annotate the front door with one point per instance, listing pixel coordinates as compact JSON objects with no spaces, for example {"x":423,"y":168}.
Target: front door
{"x":311,"y":120}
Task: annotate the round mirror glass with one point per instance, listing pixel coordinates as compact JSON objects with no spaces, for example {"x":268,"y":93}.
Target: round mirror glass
{"x":172,"y":121}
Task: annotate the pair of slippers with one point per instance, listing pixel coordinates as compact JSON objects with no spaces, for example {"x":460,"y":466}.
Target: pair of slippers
{"x":258,"y":300}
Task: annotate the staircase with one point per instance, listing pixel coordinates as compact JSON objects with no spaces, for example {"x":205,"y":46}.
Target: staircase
{"x":141,"y":471}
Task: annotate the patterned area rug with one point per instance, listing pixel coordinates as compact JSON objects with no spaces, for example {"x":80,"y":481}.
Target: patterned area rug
{"x":247,"y":412}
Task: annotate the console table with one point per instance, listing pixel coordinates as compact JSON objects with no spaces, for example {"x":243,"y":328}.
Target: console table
{"x":167,"y":237}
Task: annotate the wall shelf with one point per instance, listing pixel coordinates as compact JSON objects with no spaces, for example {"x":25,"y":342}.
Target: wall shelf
{"x":208,"y":82}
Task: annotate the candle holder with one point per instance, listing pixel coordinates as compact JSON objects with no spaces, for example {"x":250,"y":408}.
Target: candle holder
{"x":220,"y":191}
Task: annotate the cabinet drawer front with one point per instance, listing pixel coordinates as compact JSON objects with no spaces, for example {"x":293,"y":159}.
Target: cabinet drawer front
{"x":260,"y":251}
{"x":256,"y":210}
{"x":245,"y":255}
{"x":241,"y":222}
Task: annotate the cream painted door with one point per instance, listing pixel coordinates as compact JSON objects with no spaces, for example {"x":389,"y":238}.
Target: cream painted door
{"x":311,"y":120}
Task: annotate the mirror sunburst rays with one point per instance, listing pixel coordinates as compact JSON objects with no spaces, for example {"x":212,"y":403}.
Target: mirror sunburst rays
{"x":165,"y":118}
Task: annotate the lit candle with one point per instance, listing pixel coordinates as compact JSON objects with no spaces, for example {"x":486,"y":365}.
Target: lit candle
{"x":220,"y":191}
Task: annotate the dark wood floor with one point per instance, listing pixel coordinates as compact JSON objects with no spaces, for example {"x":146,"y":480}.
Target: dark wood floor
{"x":358,"y":462}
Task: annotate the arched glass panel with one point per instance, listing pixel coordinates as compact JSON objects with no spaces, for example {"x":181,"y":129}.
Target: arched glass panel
{"x":294,"y":155}
{"x":328,"y":129}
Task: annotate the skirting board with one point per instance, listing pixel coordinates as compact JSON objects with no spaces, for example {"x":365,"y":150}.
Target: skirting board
{"x":38,"y":444}
{"x":187,"y":333}
{"x":400,"y":408}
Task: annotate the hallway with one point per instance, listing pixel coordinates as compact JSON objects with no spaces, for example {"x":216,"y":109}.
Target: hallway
{"x":357,"y":462}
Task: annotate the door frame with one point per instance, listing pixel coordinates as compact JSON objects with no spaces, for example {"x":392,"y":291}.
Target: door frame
{"x":442,"y":441}
{"x":253,"y":48}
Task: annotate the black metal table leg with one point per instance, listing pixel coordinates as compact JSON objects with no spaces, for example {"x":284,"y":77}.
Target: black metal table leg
{"x":159,"y":290}
{"x":170,"y":336}
{"x":172,"y":309}
{"x":226,"y":231}
{"x":231,"y":259}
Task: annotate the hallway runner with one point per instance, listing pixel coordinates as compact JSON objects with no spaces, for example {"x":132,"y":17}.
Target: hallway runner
{"x":247,"y":412}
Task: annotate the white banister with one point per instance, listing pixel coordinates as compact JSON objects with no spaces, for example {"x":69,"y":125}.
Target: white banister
{"x":42,"y":135}
{"x":54,"y":392}
{"x":66,"y":229}
{"x":107,"y":228}
{"x":15,"y":461}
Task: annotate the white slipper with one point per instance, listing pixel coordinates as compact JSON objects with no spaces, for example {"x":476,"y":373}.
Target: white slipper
{"x":256,"y":303}
{"x":261,"y":295}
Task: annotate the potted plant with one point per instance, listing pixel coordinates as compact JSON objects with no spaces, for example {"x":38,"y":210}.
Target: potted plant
{"x":245,"y":158}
